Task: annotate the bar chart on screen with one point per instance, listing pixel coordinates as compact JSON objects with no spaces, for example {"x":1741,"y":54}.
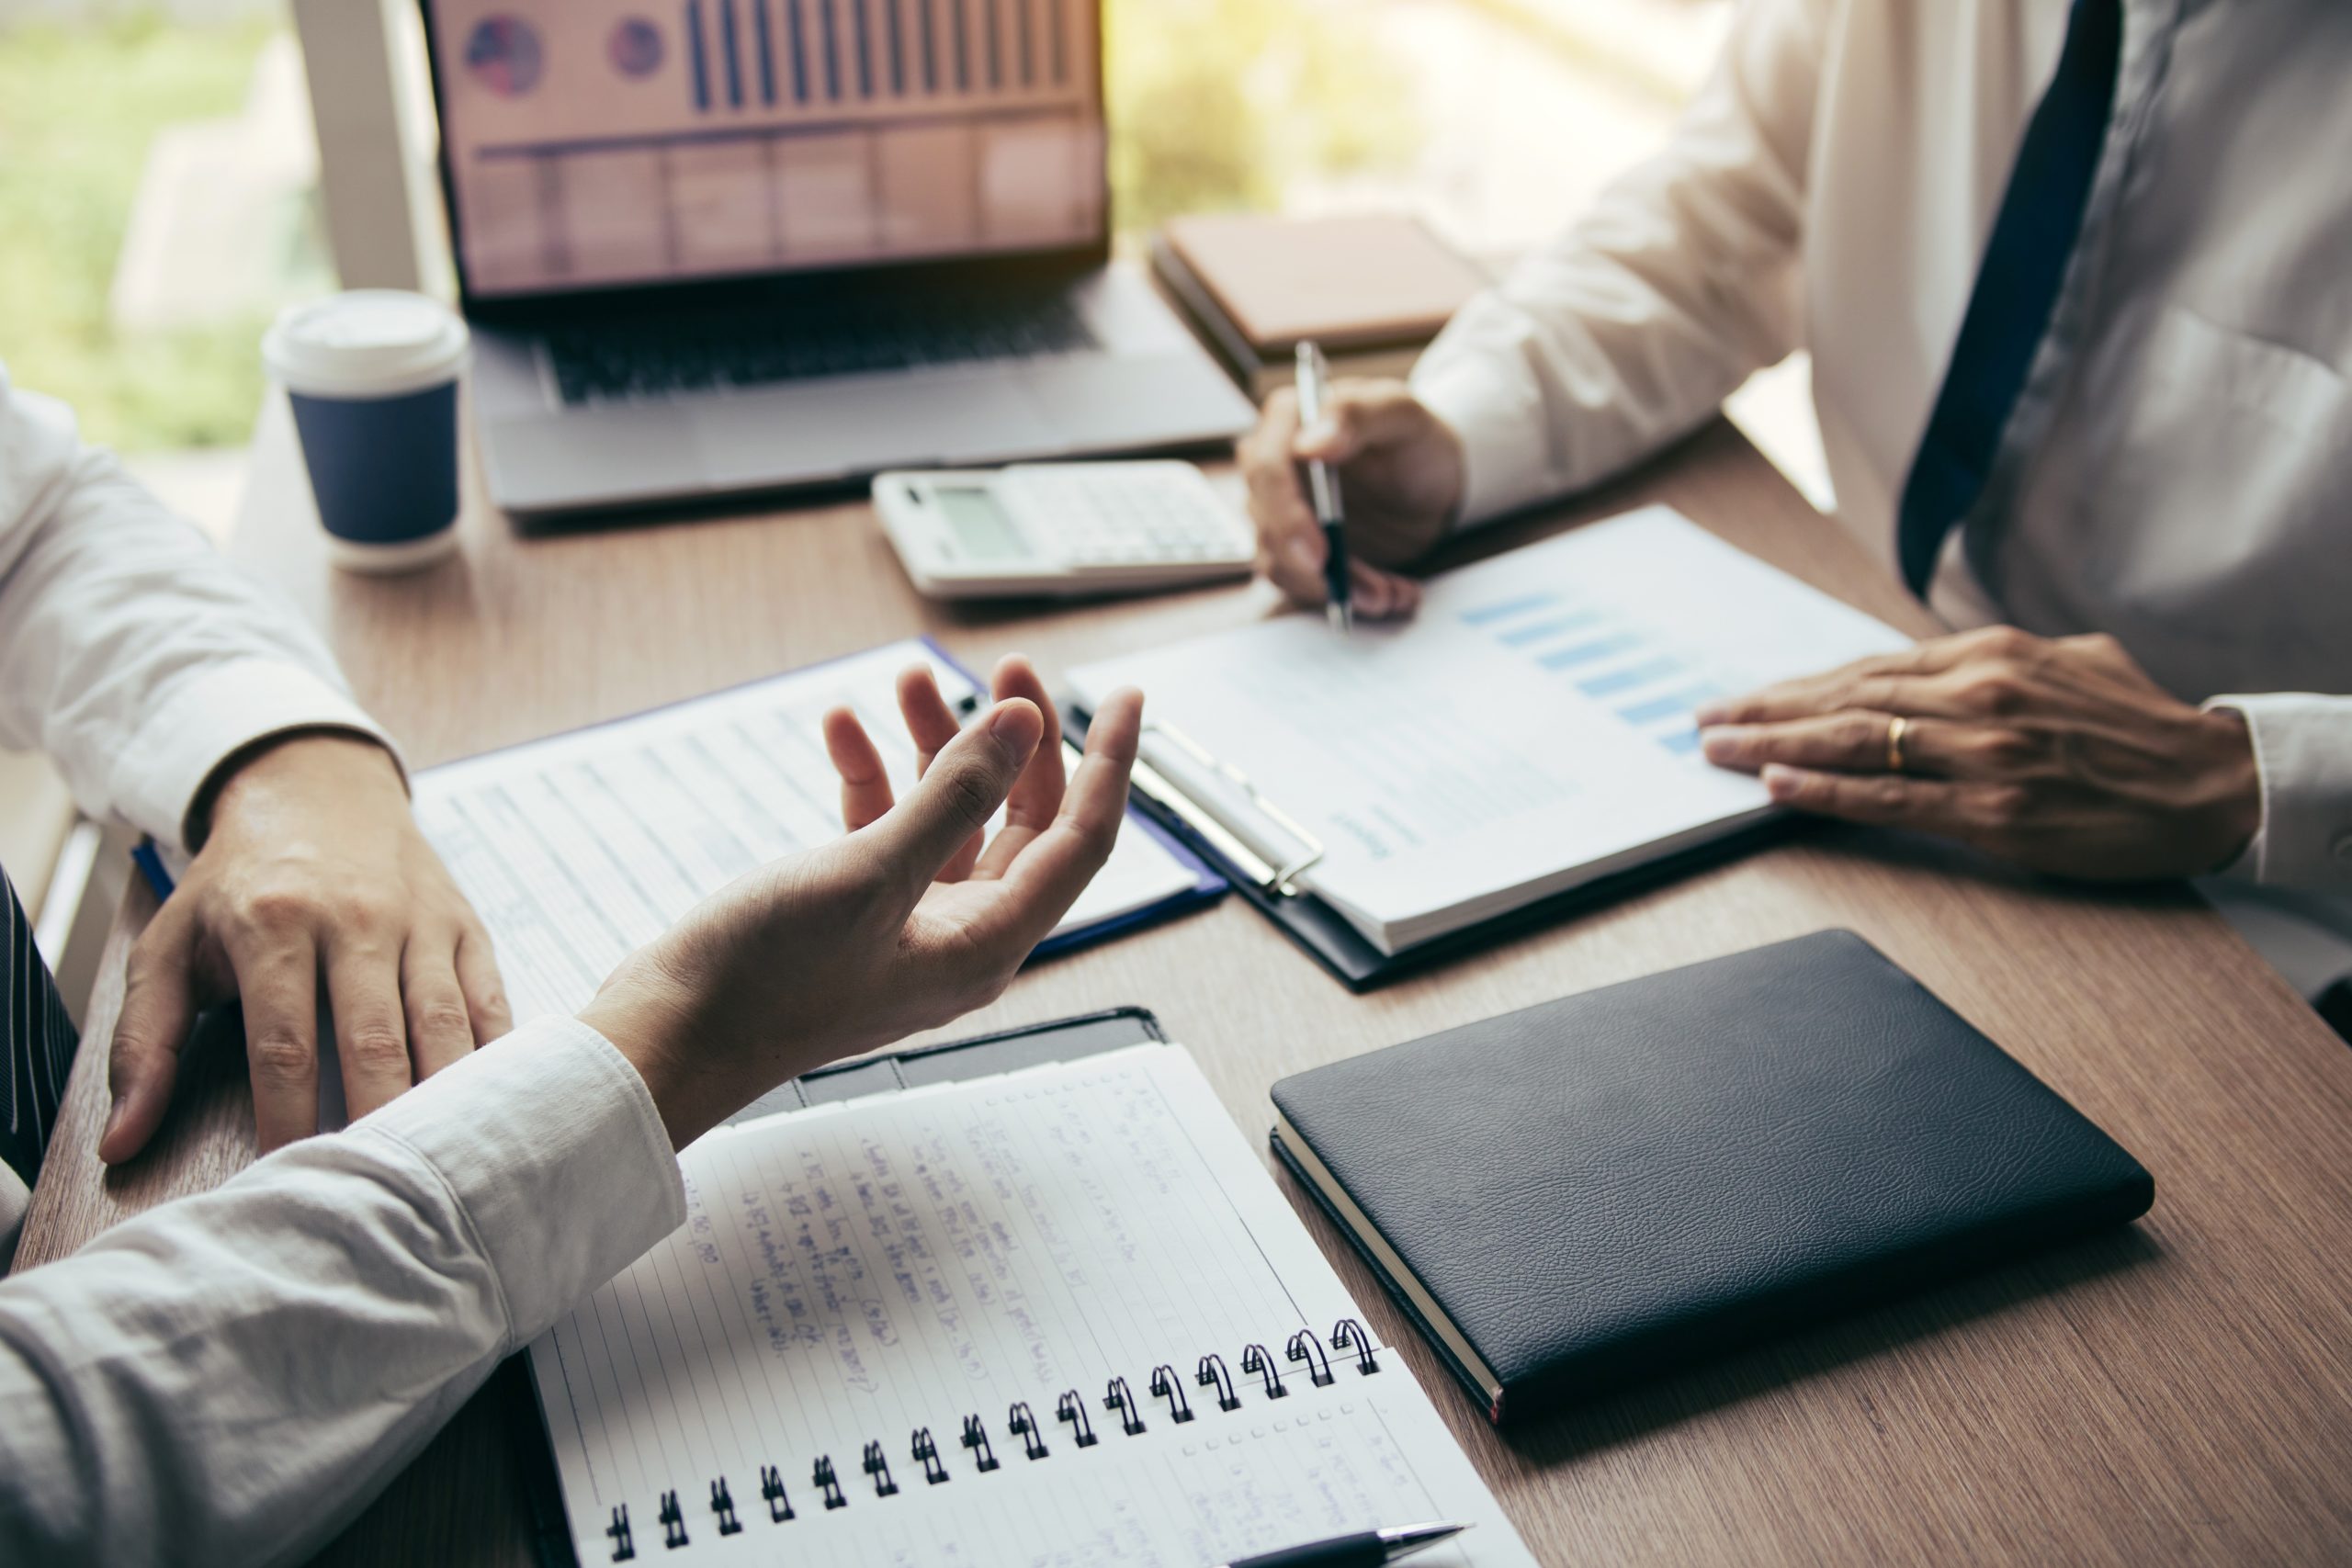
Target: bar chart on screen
{"x":762,"y":53}
{"x":603,"y":141}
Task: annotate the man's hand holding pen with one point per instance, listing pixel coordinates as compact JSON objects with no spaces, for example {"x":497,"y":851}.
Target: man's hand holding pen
{"x":1400,"y":475}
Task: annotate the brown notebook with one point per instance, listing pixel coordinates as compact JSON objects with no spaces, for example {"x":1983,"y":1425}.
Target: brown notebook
{"x":1373,"y":291}
{"x":1348,"y":282}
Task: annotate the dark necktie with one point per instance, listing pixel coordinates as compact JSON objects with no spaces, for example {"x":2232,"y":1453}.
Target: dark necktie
{"x":2025,"y":261}
{"x":39,"y":1039}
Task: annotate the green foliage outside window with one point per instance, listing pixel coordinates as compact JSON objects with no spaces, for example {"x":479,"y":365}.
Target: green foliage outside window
{"x":78,"y":106}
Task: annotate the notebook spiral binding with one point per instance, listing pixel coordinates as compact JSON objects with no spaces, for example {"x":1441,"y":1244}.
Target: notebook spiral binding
{"x":1303,"y":1348}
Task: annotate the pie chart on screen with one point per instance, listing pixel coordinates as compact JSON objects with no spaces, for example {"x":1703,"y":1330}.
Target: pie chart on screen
{"x":504,"y":55}
{"x":635,"y":48}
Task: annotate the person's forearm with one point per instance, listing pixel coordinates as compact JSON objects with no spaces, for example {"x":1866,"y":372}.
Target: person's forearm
{"x":134,"y":654}
{"x":1633,"y":326}
{"x":232,"y":1377}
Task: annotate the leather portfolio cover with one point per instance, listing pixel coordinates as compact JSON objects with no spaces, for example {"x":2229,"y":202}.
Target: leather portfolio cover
{"x":1599,"y":1189}
{"x":1350,"y":282}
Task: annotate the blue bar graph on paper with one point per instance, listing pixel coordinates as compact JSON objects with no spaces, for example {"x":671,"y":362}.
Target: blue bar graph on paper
{"x":767,"y":50}
{"x":695,"y":56}
{"x":1545,"y":631}
{"x":1586,"y":652}
{"x":1487,"y":614}
{"x":1655,"y":709}
{"x":1633,"y":675}
{"x":734,"y":62}
{"x":1682,"y":741}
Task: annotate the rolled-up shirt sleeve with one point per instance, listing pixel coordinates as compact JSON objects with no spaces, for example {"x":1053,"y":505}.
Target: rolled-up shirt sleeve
{"x":2302,"y":749}
{"x":230,"y":1378}
{"x":130,"y":651}
{"x":1631,"y":328}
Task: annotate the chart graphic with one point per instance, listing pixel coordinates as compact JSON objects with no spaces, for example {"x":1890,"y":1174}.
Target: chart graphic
{"x":1633,"y":670}
{"x":595,"y":142}
{"x":635,"y":47}
{"x":760,"y":53}
{"x":503,"y":55}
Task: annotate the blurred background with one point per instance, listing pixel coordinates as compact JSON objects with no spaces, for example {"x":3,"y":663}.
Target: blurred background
{"x":162,"y":191}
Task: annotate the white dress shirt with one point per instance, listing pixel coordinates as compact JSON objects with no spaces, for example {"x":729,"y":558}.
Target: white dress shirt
{"x":129,"y":650}
{"x":2178,"y":470}
{"x":230,"y":1377}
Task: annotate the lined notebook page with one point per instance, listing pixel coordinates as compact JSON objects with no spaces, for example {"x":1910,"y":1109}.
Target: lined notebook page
{"x":860,"y":1273}
{"x":581,"y":848}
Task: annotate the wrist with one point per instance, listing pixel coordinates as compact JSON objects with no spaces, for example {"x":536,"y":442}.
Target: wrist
{"x":336,"y":762}
{"x":2234,"y":794}
{"x":652,"y":1028}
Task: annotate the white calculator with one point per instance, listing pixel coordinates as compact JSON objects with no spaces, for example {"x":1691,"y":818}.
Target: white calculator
{"x":1061,"y":528}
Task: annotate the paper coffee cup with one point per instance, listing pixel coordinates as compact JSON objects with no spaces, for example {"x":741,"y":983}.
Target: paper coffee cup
{"x":372,"y":375}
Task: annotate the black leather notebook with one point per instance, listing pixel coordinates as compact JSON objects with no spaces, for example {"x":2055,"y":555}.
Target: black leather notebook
{"x":1602,"y":1188}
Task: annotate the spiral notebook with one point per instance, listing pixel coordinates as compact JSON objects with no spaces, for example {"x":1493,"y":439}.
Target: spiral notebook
{"x":1053,"y":1315}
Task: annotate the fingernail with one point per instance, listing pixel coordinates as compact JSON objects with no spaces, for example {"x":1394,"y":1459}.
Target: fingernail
{"x":1721,"y":743}
{"x":1008,"y":727}
{"x":114,"y":1118}
{"x":1780,"y":783}
{"x":1712,"y":713}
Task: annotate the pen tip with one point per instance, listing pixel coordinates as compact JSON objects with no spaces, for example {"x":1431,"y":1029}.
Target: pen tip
{"x":1411,"y":1539}
{"x":1337,"y":614}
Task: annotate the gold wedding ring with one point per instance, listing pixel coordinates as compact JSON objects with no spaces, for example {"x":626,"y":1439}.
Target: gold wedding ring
{"x":1894,"y":729}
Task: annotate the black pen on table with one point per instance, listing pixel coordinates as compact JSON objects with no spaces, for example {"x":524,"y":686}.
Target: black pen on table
{"x":1367,"y":1549}
{"x":1313,"y":376}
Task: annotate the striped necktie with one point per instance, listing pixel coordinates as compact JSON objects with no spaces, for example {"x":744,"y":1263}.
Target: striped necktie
{"x":39,"y":1040}
{"x":2025,"y":261}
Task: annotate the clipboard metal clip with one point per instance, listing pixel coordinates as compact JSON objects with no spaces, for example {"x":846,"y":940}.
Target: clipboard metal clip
{"x":1275,"y":874}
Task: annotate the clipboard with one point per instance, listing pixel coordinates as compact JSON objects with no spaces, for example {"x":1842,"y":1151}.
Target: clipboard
{"x":1263,"y":867}
{"x":1207,"y":883}
{"x":984,"y":1055}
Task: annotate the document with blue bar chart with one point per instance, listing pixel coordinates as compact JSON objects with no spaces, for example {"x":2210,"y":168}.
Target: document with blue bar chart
{"x":1528,"y":731}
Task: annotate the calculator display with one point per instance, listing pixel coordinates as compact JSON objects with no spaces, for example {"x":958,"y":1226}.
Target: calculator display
{"x":982,"y":526}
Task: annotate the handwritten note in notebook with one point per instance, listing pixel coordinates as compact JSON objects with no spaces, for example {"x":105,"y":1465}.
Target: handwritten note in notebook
{"x":1529,"y":730}
{"x":579,"y":849}
{"x":1056,"y":1316}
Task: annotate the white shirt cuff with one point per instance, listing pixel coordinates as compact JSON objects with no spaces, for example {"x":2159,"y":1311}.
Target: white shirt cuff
{"x":2302,"y":751}
{"x":1506,"y":445}
{"x":553,"y":1148}
{"x":216,"y":712}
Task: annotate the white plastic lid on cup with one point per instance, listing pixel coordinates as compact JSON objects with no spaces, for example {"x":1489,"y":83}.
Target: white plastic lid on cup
{"x":366,"y":342}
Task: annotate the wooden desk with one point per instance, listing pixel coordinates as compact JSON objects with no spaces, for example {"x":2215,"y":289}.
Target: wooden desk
{"x":2179,"y":1391}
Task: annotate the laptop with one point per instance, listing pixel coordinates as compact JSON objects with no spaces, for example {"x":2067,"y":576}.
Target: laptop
{"x":719,"y":245}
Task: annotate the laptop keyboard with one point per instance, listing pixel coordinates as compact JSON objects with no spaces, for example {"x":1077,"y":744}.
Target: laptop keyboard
{"x":667,"y":355}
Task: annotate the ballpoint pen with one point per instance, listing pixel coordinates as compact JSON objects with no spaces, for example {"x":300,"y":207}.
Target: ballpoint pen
{"x":1367,"y":1549}
{"x":1325,"y":485}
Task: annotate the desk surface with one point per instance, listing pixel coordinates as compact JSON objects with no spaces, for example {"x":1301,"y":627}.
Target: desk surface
{"x":2180,"y":1390}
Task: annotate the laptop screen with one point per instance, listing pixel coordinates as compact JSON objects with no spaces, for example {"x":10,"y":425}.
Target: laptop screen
{"x":596,"y":143}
